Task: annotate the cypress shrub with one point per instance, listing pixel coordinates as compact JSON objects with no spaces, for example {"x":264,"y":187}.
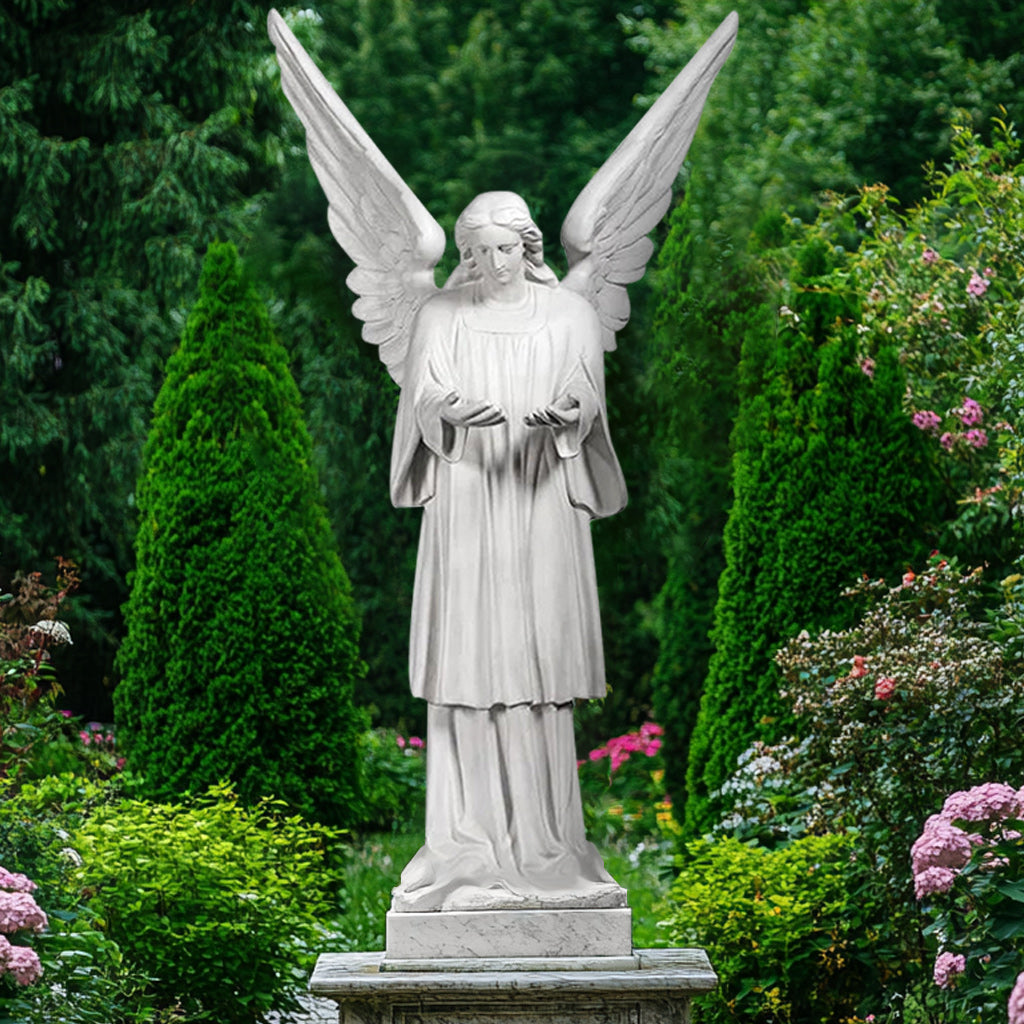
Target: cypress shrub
{"x":241,"y":648}
{"x":709,"y":300}
{"x":830,"y":480}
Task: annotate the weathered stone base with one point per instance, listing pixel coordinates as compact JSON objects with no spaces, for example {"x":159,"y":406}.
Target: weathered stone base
{"x":657,"y":990}
{"x":507,"y":933}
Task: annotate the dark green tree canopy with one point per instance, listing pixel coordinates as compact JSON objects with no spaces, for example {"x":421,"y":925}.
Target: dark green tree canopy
{"x":131,"y":133}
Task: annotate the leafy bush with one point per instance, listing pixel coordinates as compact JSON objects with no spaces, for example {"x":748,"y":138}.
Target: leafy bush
{"x":916,"y":690}
{"x":240,"y":654}
{"x":969,"y":869}
{"x":30,"y":628}
{"x":218,"y":905}
{"x":780,"y":928}
{"x":622,"y":785}
{"x":394,"y":780}
{"x":913,"y":699}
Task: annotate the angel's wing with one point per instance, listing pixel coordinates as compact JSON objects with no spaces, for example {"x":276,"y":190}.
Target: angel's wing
{"x":373,"y":214}
{"x":605,"y":232}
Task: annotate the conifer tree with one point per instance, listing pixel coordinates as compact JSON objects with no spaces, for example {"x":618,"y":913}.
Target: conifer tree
{"x":830,"y":480}
{"x":697,"y":336}
{"x":241,"y":646}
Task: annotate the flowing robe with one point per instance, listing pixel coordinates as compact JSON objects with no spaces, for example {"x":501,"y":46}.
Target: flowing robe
{"x":505,"y":621}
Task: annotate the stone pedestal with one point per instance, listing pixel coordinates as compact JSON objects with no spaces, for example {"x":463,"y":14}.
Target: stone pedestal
{"x":587,"y":932}
{"x":652,"y":986}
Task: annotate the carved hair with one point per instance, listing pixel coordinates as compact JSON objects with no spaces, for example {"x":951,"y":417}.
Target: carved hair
{"x":506,"y":210}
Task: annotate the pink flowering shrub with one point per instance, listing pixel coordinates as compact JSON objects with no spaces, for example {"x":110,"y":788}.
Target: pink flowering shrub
{"x":948,"y":966}
{"x":623,"y":787}
{"x":945,"y":283}
{"x":30,"y":632}
{"x":883,"y":700}
{"x":1015,"y":1006}
{"x":19,"y":914}
{"x":977,"y":904}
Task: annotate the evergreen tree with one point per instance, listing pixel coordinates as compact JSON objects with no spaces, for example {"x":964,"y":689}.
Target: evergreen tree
{"x":698,"y":333}
{"x":240,"y":654}
{"x":830,"y":479}
{"x":131,"y":134}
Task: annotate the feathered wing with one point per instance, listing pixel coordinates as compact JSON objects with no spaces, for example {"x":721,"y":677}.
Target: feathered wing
{"x":375,"y":217}
{"x":605,"y":232}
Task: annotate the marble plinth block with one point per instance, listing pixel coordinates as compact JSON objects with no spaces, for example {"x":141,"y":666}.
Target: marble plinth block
{"x":508,"y":933}
{"x":658,"y":989}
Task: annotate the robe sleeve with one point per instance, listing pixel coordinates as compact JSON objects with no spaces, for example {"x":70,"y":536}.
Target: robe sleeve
{"x":421,"y":435}
{"x":594,"y":479}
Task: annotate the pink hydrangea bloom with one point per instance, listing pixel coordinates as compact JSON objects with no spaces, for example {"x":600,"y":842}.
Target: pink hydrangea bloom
{"x":991,"y":801}
{"x":947,"y":967}
{"x":933,"y":881}
{"x":1015,"y":1008}
{"x":885,"y":687}
{"x":977,"y":284}
{"x":400,"y":740}
{"x":941,"y":845}
{"x":976,"y":437}
{"x":926,"y":419}
{"x":415,"y":742}
{"x":20,"y":912}
{"x":970,"y":413}
{"x":20,"y":962}
{"x":12,"y":881}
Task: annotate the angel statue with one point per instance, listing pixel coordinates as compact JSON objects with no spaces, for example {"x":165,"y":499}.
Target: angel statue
{"x":502,"y":438}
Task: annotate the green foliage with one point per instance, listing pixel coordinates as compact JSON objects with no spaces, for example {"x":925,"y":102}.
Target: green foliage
{"x":372,"y":867}
{"x":218,"y":905}
{"x":241,"y":647}
{"x":133,"y":135}
{"x":394,"y":781}
{"x":829,"y":479}
{"x":778,"y":927}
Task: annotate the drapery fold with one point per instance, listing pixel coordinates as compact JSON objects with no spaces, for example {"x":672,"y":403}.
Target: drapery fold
{"x":504,"y":819}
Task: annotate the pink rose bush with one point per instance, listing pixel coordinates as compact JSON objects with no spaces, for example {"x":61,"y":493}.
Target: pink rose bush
{"x":19,"y":913}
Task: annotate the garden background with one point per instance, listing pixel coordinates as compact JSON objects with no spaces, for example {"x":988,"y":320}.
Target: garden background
{"x":815,"y":592}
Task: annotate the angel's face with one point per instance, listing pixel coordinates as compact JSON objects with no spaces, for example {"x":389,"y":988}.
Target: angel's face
{"x":498,"y":254}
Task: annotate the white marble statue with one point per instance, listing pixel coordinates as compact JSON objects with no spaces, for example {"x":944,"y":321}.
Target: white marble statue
{"x":502,"y":437}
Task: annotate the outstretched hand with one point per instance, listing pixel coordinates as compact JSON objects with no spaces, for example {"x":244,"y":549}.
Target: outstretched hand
{"x":561,"y":413}
{"x":471,"y":412}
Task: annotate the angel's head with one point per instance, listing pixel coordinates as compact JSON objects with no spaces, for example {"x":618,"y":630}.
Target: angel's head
{"x":508,"y":211}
